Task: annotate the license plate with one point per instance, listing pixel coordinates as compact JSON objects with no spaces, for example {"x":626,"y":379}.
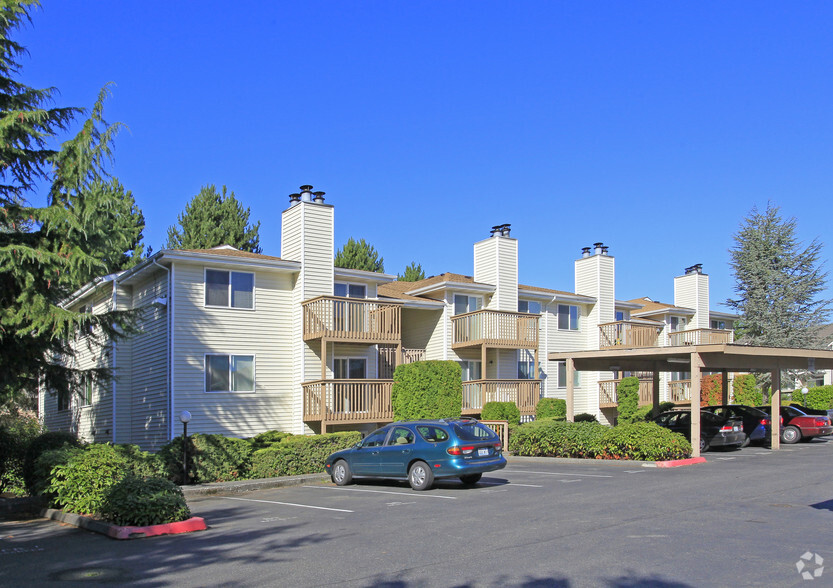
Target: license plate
{"x":737,"y":429}
{"x":482,"y":452}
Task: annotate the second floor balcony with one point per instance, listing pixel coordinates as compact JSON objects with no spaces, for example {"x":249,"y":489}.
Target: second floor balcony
{"x":637,"y":335}
{"x":352,"y":320}
{"x":495,"y":328}
{"x":524,"y":393}
{"x":608,"y":397}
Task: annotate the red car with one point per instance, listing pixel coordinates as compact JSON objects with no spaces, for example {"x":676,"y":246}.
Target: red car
{"x":799,"y":426}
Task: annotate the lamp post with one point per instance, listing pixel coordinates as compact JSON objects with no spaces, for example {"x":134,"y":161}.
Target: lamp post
{"x":185,"y":418}
{"x":804,"y":391}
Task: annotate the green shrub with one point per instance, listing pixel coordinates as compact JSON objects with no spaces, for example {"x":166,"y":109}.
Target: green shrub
{"x":711,"y":390}
{"x":627,"y":393}
{"x":38,"y":445}
{"x":551,"y":407}
{"x":80,"y":484}
{"x":46,"y":462}
{"x":501,"y":411}
{"x":300,"y":454}
{"x":745,"y":391}
{"x":142,"y":464}
{"x":818,"y":397}
{"x":647,"y":413}
{"x":211,"y":458}
{"x":264,"y":440}
{"x":144,"y":501}
{"x":585,"y":417}
{"x":427,"y":390}
{"x":16,"y":432}
{"x":643,"y":441}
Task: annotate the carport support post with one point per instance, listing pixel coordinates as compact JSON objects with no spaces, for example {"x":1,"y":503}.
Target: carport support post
{"x":571,"y":367}
{"x":775,"y":408}
{"x":725,"y":386}
{"x":696,"y":365}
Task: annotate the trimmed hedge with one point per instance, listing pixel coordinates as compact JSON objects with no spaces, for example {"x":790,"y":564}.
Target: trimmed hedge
{"x":80,"y":484}
{"x":427,"y":390}
{"x":818,"y":397}
{"x":211,"y":458}
{"x":551,"y":408}
{"x":641,"y":441}
{"x":300,"y":454}
{"x":627,"y":393}
{"x":585,"y":417}
{"x":501,"y":411}
{"x":745,"y":391}
{"x":267,"y":439}
{"x":38,"y":445}
{"x":144,"y":501}
{"x":711,"y":389}
{"x":45,"y":463}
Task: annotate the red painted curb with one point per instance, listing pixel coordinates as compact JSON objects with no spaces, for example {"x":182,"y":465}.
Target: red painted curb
{"x":192,"y":524}
{"x":675,"y":463}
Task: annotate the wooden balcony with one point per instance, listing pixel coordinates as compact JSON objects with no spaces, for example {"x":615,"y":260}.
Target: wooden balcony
{"x":352,"y":320}
{"x":388,"y":360}
{"x":348,"y":401}
{"x":701,"y":337}
{"x":679,"y":391}
{"x":608,"y":397}
{"x":628,"y":334}
{"x":495,"y":328}
{"x":524,"y":393}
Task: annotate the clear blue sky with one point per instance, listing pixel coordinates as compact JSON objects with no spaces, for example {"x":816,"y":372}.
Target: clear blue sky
{"x":654,"y":127}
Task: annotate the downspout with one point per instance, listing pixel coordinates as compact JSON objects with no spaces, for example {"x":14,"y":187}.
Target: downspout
{"x":168,"y":349}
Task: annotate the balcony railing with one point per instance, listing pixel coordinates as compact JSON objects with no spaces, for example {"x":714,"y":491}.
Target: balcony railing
{"x":679,"y":391}
{"x":608,"y":396}
{"x":701,"y":337}
{"x":348,"y":401}
{"x":352,"y":320}
{"x":495,"y":328}
{"x":387,"y":359}
{"x":524,"y":393}
{"x":628,"y":334}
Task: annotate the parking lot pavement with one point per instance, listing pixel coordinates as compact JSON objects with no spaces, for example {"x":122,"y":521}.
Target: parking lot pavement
{"x":743,"y":518}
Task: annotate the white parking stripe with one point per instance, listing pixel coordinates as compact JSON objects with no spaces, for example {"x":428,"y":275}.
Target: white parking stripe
{"x":556,"y":474}
{"x":287,"y":504}
{"x":509,"y":484}
{"x":415,"y":495}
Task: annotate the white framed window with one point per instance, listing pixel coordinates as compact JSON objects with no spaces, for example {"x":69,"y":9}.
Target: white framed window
{"x":719,"y":325}
{"x":526,"y":365}
{"x":227,"y":289}
{"x":677,"y":323}
{"x":568,"y":316}
{"x":346,"y":290}
{"x":529,"y":306}
{"x":561,"y":375}
{"x":229,"y":373}
{"x":350,"y":368}
{"x":472,"y":370}
{"x":86,"y":392}
{"x":464,"y":303}
{"x":621,"y":315}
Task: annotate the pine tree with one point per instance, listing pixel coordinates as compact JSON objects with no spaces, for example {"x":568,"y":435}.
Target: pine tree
{"x":359,"y":255}
{"x":214,"y":218}
{"x":47,"y":252}
{"x":413,"y":273}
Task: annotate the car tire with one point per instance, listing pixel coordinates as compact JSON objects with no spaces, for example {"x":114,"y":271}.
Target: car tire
{"x":470,"y":479}
{"x":790,"y":435}
{"x":420,"y":476}
{"x":704,"y":445}
{"x":341,"y":473}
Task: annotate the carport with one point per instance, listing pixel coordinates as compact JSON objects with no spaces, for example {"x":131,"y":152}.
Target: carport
{"x":696,"y":359}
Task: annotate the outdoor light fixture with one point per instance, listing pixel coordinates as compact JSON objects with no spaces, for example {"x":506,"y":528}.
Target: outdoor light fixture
{"x":185,"y":418}
{"x":804,"y":391}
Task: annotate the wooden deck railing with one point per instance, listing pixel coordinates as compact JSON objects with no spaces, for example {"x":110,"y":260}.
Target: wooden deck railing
{"x":608,"y":397}
{"x":495,"y":328}
{"x":679,"y":391}
{"x":700,"y":337}
{"x":524,"y":393}
{"x":387,"y":359}
{"x":352,"y":320}
{"x":502,"y":430}
{"x":348,"y":401}
{"x":628,"y":334}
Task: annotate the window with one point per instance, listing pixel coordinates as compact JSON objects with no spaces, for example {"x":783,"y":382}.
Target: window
{"x":620,"y":316}
{"x":63,"y":400}
{"x":471,"y":370}
{"x":561,"y":369}
{"x":229,"y":289}
{"x":719,"y":325}
{"x":229,"y":373}
{"x":529,"y":306}
{"x":349,"y":368}
{"x":526,"y":365}
{"x":376,"y":438}
{"x":86,"y":393}
{"x":464,"y":304}
{"x":567,"y":317}
{"x":432,"y":434}
{"x":350,"y":290}
{"x":401,"y":436}
{"x":677,"y":323}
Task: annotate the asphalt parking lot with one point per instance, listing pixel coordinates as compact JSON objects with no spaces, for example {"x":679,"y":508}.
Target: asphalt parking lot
{"x":744,"y":518}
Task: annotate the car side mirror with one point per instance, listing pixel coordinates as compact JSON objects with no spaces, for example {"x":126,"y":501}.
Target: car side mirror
{"x":358,"y":445}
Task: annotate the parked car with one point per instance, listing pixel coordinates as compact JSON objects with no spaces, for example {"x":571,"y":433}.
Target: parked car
{"x":756,"y":423}
{"x":819,"y":411}
{"x":800,"y":426}
{"x":715,"y":431}
{"x":421,"y":451}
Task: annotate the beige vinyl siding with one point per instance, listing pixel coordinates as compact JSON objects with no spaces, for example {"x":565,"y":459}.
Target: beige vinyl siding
{"x":265,"y":333}
{"x":369,"y":352}
{"x":692,"y":291}
{"x":496,"y":262}
{"x":419,"y":327}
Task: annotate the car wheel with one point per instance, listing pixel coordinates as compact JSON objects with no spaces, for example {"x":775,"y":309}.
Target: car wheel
{"x":790,"y":435}
{"x":420,"y":476}
{"x":704,"y":445}
{"x":471,"y":478}
{"x":341,"y":473}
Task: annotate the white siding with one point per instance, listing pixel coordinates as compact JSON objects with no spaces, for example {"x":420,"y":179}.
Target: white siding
{"x":692,"y":291}
{"x":496,"y":262}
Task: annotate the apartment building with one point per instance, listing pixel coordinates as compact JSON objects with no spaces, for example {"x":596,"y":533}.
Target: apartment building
{"x":248,"y":342}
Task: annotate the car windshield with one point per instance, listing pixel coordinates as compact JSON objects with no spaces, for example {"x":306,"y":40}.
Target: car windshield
{"x":473,"y":432}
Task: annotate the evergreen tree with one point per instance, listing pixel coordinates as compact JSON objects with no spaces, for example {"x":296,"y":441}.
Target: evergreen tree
{"x":47,"y":252}
{"x":359,"y":255}
{"x":214,"y":218}
{"x":413,"y":273}
{"x":778,"y":283}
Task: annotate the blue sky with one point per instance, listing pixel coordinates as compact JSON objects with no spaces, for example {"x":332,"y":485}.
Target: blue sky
{"x":653,"y":127}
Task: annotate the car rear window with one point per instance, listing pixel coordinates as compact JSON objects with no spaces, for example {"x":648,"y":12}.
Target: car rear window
{"x":432,"y":434}
{"x":473,"y":432}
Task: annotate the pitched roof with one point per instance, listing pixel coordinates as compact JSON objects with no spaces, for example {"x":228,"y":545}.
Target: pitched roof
{"x":652,"y":307}
{"x":399,"y":288}
{"x":229,"y":251}
{"x":547,"y":290}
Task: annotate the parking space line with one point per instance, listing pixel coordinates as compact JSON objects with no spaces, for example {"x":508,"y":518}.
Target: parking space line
{"x":382,"y":492}
{"x":556,"y":474}
{"x":509,"y":484}
{"x":288,"y":504}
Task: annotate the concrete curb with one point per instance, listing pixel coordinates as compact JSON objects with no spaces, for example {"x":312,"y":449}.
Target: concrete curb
{"x":676,"y":463}
{"x":241,"y":486}
{"x":124,"y":532}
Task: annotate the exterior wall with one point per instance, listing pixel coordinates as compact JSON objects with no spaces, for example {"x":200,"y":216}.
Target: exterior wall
{"x":265,"y":333}
{"x":496,"y":263}
{"x":692,"y":291}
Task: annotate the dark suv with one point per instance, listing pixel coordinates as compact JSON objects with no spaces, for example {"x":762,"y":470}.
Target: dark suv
{"x":421,"y":451}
